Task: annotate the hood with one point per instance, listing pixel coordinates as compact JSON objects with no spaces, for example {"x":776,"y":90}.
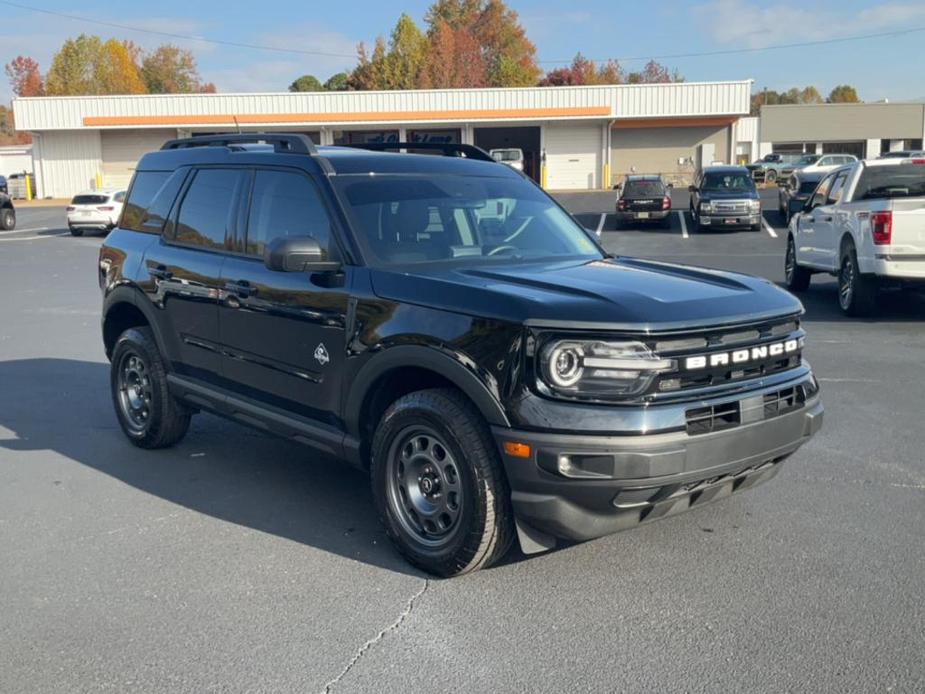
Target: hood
{"x":618,"y":293}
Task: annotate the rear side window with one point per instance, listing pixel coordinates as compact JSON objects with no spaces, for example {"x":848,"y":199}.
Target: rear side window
{"x":885,"y":182}
{"x":144,"y":187}
{"x":89,"y":200}
{"x":208,"y":207}
{"x":835,"y":192}
{"x":285,"y":204}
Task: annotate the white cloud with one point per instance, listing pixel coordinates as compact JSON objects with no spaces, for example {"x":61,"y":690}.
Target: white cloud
{"x":754,"y":25}
{"x":541,"y":24}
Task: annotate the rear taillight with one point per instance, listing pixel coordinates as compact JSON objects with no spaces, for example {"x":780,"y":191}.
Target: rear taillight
{"x":666,"y":203}
{"x":881,"y":228}
{"x":106,"y":208}
{"x":621,"y":204}
{"x":71,"y":208}
{"x":913,"y":161}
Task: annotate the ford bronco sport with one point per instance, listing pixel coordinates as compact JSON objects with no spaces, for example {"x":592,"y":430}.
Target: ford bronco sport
{"x":443,"y":323}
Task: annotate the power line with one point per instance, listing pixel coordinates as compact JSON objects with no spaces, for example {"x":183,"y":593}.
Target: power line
{"x":732,"y":51}
{"x":185,"y":37}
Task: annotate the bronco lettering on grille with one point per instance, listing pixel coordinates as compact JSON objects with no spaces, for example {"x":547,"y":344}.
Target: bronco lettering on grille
{"x":742,"y":356}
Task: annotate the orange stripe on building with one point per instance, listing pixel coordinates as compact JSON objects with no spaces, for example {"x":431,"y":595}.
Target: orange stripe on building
{"x":674,"y":122}
{"x":363,"y":117}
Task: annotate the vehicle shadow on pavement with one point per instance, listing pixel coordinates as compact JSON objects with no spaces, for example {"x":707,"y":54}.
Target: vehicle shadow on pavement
{"x":220,"y":469}
{"x":821,"y":303}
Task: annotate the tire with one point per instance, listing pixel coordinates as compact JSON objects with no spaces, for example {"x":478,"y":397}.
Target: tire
{"x":797,"y":276}
{"x":857,"y":293}
{"x":695,"y":222}
{"x":7,"y":219}
{"x":755,"y":227}
{"x":76,"y":232}
{"x":149,"y":415}
{"x":770,"y":176}
{"x":438,"y":484}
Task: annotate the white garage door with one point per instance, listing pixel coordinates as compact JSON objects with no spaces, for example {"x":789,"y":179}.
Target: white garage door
{"x":573,"y":156}
{"x":122,"y":149}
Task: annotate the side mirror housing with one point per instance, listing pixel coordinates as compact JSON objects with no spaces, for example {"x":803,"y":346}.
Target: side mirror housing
{"x":617,"y":186}
{"x":670,"y":186}
{"x":691,"y":189}
{"x":297,"y":254}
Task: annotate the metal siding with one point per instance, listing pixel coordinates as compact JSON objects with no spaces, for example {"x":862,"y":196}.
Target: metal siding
{"x":573,"y":156}
{"x":121,"y":150}
{"x":841,"y":122}
{"x":657,"y":150}
{"x":66,"y":162}
{"x":625,"y":101}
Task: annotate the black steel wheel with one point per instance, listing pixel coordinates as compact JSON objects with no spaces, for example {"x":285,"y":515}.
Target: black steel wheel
{"x":439,"y":485}
{"x":797,"y":276}
{"x":147,"y":412}
{"x":857,"y":293}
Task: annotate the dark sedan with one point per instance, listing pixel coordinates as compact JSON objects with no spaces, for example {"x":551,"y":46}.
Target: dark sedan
{"x":644,"y":199}
{"x":793,"y":192}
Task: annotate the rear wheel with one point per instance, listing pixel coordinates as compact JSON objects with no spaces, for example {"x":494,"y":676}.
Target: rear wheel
{"x":76,"y":232}
{"x":798,"y":277}
{"x":147,"y":412}
{"x":7,"y":219}
{"x":857,"y":293}
{"x":438,"y":483}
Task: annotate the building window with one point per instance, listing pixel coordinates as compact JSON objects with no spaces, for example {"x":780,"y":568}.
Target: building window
{"x":363,"y":137}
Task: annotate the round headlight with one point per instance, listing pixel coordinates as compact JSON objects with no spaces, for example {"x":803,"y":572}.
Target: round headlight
{"x":566,"y":365}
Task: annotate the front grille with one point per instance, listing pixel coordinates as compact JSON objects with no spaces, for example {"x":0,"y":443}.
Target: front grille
{"x":730,"y":206}
{"x":706,"y":420}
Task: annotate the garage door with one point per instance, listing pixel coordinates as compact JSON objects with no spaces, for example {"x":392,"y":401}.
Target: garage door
{"x":122,"y":149}
{"x":573,"y":156}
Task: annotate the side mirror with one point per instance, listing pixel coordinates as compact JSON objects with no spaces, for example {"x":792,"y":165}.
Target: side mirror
{"x":297,"y":254}
{"x":670,"y":186}
{"x":691,"y":189}
{"x":617,"y":186}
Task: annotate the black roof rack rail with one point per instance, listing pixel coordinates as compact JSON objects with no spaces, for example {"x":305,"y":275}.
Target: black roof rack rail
{"x":447,"y":149}
{"x":286,"y":143}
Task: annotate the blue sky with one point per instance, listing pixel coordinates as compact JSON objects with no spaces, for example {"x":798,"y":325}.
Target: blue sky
{"x":879,"y":68}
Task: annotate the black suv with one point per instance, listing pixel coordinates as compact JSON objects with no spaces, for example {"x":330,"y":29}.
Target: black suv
{"x":443,"y":323}
{"x":725,"y":196}
{"x":644,"y":198}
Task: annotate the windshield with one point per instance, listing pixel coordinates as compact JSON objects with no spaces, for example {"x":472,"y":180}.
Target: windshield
{"x":900,"y":181}
{"x":506,"y":155}
{"x":426,"y":219}
{"x":808,"y":159}
{"x":728,"y":181}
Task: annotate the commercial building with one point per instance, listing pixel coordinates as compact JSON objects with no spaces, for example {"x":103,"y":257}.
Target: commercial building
{"x":573,"y":138}
{"x":864,"y":130}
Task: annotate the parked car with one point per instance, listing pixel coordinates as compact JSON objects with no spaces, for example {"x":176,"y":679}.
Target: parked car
{"x":4,"y":186}
{"x":7,"y":213}
{"x":820,"y":163}
{"x":94,"y":210}
{"x":724,"y":196}
{"x":770,"y":166}
{"x":644,"y":198}
{"x":512,"y":157}
{"x":793,"y":192}
{"x":442,"y":323}
{"x":865,"y":224}
{"x":903,"y":154}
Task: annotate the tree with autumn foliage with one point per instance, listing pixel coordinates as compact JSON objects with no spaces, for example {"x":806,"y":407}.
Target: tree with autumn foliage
{"x":169,"y":69}
{"x":25,"y":77}
{"x":843,"y":94}
{"x":583,"y":71}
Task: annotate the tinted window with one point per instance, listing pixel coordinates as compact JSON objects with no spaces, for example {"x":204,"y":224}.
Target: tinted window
{"x":285,"y":204}
{"x":900,"y":181}
{"x":159,"y":208}
{"x":836,"y":190}
{"x":206,"y":210}
{"x":819,"y":197}
{"x":119,"y":197}
{"x":644,"y":189}
{"x":728,"y":181}
{"x":144,"y":187}
{"x":89,"y":200}
{"x":807,"y":187}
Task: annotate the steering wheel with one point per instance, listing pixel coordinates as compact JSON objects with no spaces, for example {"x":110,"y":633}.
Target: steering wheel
{"x":498,"y":249}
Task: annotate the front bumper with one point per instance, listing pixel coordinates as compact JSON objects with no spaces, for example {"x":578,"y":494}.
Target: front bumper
{"x":719,"y":220}
{"x":582,"y":486}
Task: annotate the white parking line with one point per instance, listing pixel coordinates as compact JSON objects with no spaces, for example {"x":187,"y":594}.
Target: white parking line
{"x":684,"y":234}
{"x":33,"y":238}
{"x":768,"y":227}
{"x":23,"y":231}
{"x":600,"y":224}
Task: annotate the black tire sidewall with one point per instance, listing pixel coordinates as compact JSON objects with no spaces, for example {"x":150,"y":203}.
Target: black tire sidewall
{"x":141,"y":342}
{"x":459,"y":552}
{"x":7,"y":219}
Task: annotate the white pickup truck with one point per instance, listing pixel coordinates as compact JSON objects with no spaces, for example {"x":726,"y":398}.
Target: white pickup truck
{"x":865,"y":224}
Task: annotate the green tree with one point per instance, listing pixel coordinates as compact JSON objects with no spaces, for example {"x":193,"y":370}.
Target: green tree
{"x":169,"y":69}
{"x":73,"y":66}
{"x":843,"y":94}
{"x":338,"y":82}
{"x":407,"y":54}
{"x":306,"y":83}
{"x":370,"y":73}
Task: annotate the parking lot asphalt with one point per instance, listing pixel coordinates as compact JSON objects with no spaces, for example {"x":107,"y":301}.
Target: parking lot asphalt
{"x":239,"y":562}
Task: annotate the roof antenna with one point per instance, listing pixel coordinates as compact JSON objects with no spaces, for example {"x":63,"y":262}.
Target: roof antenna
{"x":236,"y":124}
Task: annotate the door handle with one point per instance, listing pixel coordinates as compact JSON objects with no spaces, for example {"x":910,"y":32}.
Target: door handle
{"x":242,"y":289}
{"x":826,"y":219}
{"x":160,"y":273}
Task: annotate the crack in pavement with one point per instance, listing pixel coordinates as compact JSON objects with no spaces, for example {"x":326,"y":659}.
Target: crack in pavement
{"x":377,"y":638}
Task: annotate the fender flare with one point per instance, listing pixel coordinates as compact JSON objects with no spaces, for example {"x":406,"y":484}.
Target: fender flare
{"x":422,"y":357}
{"x":131,"y":294}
